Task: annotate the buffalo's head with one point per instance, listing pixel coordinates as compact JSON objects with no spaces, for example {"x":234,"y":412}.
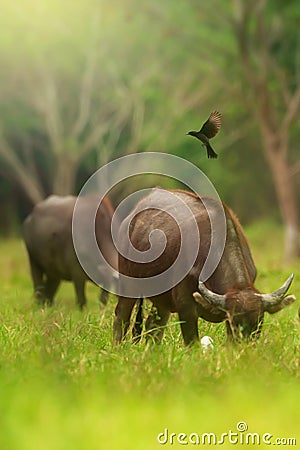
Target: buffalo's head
{"x":243,"y":310}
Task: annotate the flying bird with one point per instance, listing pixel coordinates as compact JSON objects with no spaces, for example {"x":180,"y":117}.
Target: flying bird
{"x":209,"y":129}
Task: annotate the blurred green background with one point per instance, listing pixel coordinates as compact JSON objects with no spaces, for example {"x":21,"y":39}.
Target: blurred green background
{"x":85,"y":82}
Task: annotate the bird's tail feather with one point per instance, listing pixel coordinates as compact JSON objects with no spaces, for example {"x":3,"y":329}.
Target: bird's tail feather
{"x":210,"y":151}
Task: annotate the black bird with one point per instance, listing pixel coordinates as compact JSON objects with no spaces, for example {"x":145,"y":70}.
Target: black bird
{"x":209,"y":129}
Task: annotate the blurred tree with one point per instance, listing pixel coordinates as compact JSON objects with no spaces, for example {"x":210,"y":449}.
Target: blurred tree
{"x":22,"y":172}
{"x":84,"y":82}
{"x":17,"y":141}
{"x":92,"y":78}
{"x":267,"y":49}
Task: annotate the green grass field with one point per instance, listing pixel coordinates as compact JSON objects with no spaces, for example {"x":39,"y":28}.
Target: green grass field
{"x":64,"y":386}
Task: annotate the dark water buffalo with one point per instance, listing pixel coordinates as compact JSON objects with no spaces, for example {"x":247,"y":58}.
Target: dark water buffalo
{"x":48,"y":239}
{"x":228,"y":294}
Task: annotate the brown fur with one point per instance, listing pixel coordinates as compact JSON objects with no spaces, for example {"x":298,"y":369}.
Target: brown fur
{"x":49,"y":243}
{"x":233,"y":277}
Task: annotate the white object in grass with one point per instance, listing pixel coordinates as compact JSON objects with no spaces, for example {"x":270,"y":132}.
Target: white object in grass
{"x":207,"y":343}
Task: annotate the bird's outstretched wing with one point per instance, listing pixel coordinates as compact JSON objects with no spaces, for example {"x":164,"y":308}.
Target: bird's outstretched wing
{"x":211,"y":127}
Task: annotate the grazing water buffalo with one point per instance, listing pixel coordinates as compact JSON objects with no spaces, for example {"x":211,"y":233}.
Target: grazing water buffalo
{"x":228,"y":294}
{"x":48,"y":239}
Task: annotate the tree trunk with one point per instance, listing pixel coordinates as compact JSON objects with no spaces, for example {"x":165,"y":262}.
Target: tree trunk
{"x":262,"y":71}
{"x":286,"y":196}
{"x":65,"y":175}
{"x":32,"y":190}
{"x":21,"y":175}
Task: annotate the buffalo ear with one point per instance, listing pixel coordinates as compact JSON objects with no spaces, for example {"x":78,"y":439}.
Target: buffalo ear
{"x":208,"y":311}
{"x":286,"y":301}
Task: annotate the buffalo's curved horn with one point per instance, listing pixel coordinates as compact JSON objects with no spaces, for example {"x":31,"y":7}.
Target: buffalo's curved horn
{"x":275,"y":297}
{"x":214,"y":299}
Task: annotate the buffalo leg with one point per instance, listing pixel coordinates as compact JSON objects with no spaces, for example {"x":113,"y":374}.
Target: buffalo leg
{"x":189,"y":327}
{"x":103,"y":296}
{"x":122,"y":318}
{"x":80,"y":295}
{"x":50,"y":289}
{"x":138,"y":325}
{"x":155,"y":323}
{"x":188,"y":314}
{"x":37,"y":276}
